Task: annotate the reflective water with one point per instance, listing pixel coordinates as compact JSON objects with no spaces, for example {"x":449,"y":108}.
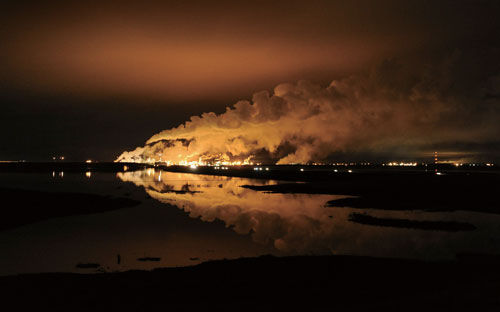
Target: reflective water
{"x":187,"y":218}
{"x":297,"y":223}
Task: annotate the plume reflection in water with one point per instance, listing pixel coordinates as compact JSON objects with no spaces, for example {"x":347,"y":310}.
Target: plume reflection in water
{"x":302,"y":224}
{"x":292,"y":222}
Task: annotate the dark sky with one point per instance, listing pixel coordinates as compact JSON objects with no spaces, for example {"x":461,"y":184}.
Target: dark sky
{"x":90,"y":79}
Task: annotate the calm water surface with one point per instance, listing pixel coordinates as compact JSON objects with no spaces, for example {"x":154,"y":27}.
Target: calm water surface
{"x":185,"y":219}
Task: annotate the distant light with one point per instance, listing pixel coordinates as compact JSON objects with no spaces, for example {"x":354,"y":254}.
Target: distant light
{"x":193,"y":166}
{"x":88,"y":174}
{"x":402,"y":164}
{"x":301,"y":169}
{"x":267,"y":169}
{"x":349,"y":170}
{"x":61,"y":174}
{"x":438,"y":173}
{"x":125,"y":168}
{"x":53,"y":174}
{"x":335,"y":170}
{"x":62,"y":157}
{"x":88,"y":161}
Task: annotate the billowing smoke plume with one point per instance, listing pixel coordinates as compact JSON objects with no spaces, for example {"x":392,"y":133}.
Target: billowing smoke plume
{"x":388,"y":108}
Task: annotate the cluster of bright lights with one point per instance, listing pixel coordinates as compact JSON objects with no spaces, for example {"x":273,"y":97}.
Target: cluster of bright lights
{"x":336,"y":170}
{"x":206,"y":161}
{"x":191,"y":163}
{"x":457,"y":164}
{"x":201,"y":162}
{"x":60,"y":174}
{"x":260,"y":168}
{"x":345,"y":164}
{"x":403,"y":164}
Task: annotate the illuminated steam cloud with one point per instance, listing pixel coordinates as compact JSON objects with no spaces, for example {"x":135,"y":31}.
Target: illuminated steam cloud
{"x":303,"y":122}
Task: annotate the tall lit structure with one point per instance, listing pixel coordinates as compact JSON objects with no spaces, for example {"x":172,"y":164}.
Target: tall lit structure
{"x":435,"y":161}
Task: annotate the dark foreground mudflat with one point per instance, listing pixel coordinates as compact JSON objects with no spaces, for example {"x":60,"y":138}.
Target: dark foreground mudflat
{"x":269,"y":283}
{"x":21,"y":206}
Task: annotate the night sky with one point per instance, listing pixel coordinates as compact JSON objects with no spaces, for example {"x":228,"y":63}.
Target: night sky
{"x":92,"y":79}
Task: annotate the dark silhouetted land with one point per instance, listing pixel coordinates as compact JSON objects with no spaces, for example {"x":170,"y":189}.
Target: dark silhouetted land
{"x":269,"y":283}
{"x":149,"y":259}
{"x":88,"y":265}
{"x":450,"y":226}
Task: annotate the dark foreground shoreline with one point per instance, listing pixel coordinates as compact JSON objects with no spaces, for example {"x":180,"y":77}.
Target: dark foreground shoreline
{"x":268,"y":283}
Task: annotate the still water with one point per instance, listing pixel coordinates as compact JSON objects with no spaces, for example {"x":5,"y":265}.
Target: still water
{"x":184,"y":219}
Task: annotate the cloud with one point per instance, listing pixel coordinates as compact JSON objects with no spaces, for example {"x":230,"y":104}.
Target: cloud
{"x":393,"y":105}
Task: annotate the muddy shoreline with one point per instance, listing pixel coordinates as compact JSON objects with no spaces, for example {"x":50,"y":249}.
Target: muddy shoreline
{"x":269,"y":283}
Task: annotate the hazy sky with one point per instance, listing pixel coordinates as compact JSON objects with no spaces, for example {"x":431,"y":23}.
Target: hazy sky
{"x":90,"y":79}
